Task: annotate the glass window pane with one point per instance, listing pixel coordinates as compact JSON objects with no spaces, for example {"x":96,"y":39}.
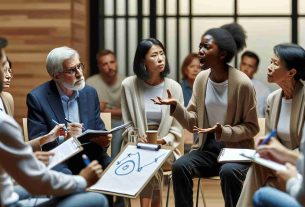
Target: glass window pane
{"x":160,"y":30}
{"x":121,"y":7}
{"x":301,"y":34}
{"x":184,"y":7}
{"x":171,"y":46}
{"x":133,"y":32}
{"x":200,"y":25}
{"x":145,"y":7}
{"x":109,"y":34}
{"x":301,"y":7}
{"x":171,"y":7}
{"x":132,"y":7}
{"x":264,"y":7}
{"x":108,"y":7}
{"x":146,"y":27}
{"x":121,"y":38}
{"x":160,"y":7}
{"x":200,"y":7}
{"x":263,"y":35}
{"x":184,"y":40}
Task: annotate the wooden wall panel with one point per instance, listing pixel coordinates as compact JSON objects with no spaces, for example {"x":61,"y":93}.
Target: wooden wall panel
{"x":33,"y":28}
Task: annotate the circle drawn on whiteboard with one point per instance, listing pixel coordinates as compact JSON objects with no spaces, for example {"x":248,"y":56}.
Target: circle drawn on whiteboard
{"x":125,"y":168}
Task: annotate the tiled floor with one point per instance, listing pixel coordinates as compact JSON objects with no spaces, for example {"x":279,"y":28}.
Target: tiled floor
{"x":212,"y":194}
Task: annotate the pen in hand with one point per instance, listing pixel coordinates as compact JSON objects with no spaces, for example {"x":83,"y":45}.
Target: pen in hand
{"x":68,"y":121}
{"x":268,"y":137}
{"x":86,"y":159}
{"x":56,"y":123}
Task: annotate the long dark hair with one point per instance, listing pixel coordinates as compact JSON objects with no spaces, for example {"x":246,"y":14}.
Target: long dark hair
{"x":139,"y":59}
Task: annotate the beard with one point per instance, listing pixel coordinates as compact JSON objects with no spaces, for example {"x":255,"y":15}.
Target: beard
{"x":77,"y":86}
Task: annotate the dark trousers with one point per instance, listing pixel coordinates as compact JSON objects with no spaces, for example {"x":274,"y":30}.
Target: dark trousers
{"x":199,"y":163}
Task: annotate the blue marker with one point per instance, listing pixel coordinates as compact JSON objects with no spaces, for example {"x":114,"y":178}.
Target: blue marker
{"x":55,"y":122}
{"x":86,"y":159}
{"x":267,"y":139}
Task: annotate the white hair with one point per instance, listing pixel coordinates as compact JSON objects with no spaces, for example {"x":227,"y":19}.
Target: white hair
{"x":56,"y":58}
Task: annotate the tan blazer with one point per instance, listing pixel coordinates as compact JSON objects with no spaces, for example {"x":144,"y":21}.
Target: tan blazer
{"x":296,"y":116}
{"x":8,"y":102}
{"x":241,"y":123}
{"x":133,"y":110}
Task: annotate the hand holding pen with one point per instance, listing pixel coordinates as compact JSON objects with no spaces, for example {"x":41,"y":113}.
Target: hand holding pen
{"x":74,"y":129}
{"x":58,"y":130}
{"x":92,"y":172}
{"x":268,"y":137}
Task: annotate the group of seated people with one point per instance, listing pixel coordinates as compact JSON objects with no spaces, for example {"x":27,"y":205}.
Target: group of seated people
{"x":221,"y":109}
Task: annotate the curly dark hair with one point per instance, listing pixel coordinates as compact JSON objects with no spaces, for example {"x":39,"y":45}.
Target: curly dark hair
{"x":230,"y":38}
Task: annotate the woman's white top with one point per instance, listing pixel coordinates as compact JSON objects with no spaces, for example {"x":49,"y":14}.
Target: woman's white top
{"x":283,"y":126}
{"x":216,"y":102}
{"x":153,"y":111}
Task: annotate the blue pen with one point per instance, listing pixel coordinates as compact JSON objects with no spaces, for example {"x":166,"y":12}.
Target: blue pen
{"x":269,"y":136}
{"x":55,"y":122}
{"x":86,"y":159}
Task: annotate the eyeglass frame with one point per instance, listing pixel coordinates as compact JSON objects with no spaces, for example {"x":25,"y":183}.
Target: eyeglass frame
{"x":78,"y":68}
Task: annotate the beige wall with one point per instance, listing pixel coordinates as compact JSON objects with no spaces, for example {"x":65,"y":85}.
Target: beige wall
{"x":33,"y":28}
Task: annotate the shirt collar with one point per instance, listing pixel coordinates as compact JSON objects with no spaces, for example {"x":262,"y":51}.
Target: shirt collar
{"x":66,"y":98}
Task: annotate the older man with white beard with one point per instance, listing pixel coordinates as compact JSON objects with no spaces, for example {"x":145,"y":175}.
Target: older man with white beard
{"x":66,"y":99}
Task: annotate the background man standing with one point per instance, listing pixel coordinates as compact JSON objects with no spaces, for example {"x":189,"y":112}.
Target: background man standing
{"x":249,"y":65}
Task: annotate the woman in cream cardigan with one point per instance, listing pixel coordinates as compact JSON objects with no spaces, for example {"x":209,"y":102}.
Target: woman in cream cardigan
{"x":223,"y":106}
{"x":284,"y":112}
{"x":151,"y":68}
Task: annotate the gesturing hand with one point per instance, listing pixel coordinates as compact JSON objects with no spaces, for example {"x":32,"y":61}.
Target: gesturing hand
{"x":168,"y":101}
{"x":216,"y":128}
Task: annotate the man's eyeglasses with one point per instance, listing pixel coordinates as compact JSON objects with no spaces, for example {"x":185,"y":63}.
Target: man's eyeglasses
{"x":78,"y":68}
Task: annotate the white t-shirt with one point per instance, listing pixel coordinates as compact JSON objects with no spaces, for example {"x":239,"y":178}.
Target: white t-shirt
{"x":153,"y":111}
{"x":216,"y":101}
{"x":283,"y":125}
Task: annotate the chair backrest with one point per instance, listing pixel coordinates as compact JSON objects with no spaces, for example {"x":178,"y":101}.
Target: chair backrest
{"x":106,"y":117}
{"x":25,"y":129}
{"x":261,"y":124}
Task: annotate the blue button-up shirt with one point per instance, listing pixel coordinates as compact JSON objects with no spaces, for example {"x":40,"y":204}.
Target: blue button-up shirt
{"x":70,"y":105}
